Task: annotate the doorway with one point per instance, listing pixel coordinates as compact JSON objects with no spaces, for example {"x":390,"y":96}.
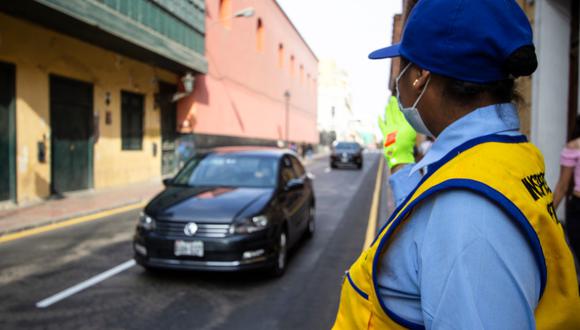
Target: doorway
{"x":573,"y":110}
{"x":168,"y":113}
{"x":7,"y":132}
{"x":71,"y":110}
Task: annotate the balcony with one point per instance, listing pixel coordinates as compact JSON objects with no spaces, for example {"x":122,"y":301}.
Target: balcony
{"x":166,"y":33}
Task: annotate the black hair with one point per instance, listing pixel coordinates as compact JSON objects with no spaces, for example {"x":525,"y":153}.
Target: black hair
{"x":522,"y":62}
{"x":576,"y":130}
{"x":464,"y":92}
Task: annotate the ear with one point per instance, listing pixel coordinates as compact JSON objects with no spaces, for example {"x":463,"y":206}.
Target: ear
{"x":421,"y":79}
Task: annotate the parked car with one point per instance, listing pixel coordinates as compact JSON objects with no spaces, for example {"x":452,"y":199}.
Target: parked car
{"x":228,"y":209}
{"x":346,"y":153}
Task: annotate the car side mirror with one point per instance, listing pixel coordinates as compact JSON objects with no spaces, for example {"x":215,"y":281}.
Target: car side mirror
{"x":167,"y":182}
{"x":310,"y":176}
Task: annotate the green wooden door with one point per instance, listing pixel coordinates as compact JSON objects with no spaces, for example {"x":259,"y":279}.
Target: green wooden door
{"x":71,"y":108}
{"x":168,"y":115}
{"x":7,"y":133}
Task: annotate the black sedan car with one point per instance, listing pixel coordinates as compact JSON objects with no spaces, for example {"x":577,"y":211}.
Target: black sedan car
{"x":346,"y":153}
{"x":228,"y":209}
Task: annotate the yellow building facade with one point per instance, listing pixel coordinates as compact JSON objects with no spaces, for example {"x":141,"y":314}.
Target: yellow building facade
{"x":38,"y":53}
{"x":41,"y":58}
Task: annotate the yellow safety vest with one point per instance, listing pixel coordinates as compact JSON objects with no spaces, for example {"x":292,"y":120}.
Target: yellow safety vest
{"x":510,"y":172}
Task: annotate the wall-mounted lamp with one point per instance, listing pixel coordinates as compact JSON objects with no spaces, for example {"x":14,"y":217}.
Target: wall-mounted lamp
{"x":246,"y":12}
{"x":188,"y":82}
{"x":107,"y":98}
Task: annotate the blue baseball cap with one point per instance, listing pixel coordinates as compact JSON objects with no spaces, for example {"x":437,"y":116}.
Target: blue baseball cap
{"x":469,"y":40}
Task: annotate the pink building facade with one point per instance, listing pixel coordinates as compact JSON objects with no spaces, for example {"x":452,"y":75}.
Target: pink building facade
{"x":261,"y":85}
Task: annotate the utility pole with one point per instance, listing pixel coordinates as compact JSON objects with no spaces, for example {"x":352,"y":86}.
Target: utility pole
{"x":287,"y":120}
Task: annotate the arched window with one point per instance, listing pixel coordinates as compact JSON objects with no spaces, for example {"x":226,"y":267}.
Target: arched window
{"x":226,"y":13}
{"x":280,"y":55}
{"x":308,"y":81}
{"x":260,"y":36}
{"x":292,"y":65}
{"x":301,"y":73}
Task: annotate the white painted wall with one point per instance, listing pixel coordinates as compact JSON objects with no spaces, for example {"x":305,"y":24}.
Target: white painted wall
{"x":550,"y":83}
{"x":334,"y":90}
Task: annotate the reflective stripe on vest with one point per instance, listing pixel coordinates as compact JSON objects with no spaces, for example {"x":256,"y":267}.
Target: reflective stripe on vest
{"x":508,"y":171}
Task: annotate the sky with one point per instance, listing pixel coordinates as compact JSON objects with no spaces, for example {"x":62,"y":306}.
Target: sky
{"x":347,"y":31}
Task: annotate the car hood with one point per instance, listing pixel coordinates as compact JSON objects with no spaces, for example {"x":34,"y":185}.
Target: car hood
{"x":203,"y":204}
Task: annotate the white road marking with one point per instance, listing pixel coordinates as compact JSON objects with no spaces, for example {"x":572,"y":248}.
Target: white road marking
{"x":327,"y":170}
{"x":86,"y":284}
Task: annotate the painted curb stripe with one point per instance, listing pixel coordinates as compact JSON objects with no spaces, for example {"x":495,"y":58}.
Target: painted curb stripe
{"x":67,"y":223}
{"x":373,"y":216}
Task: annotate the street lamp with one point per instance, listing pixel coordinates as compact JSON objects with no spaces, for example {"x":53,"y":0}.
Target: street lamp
{"x":246,"y":12}
{"x":287,"y":103}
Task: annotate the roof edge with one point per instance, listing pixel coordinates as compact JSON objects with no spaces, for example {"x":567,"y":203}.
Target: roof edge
{"x":295,"y":29}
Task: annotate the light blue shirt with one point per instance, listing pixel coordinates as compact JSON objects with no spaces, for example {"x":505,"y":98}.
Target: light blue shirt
{"x":460,"y":262}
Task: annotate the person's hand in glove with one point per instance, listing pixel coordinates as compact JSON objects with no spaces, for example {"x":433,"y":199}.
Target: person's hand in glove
{"x":399,"y":136}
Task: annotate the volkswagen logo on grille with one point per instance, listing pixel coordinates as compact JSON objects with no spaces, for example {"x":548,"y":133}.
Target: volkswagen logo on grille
{"x":190,"y":229}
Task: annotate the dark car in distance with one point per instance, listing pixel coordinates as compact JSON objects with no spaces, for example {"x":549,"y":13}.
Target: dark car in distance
{"x":228,"y":209}
{"x":346,"y":153}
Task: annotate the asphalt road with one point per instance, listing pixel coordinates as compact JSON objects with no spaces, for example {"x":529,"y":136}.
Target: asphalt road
{"x":37,"y":267}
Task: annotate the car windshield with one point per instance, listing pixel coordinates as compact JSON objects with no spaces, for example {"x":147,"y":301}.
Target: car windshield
{"x":347,"y":146}
{"x":229,"y":170}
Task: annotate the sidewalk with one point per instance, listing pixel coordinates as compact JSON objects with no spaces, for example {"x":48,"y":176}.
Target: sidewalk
{"x":309,"y":160}
{"x":75,"y":205}
{"x":84,"y":203}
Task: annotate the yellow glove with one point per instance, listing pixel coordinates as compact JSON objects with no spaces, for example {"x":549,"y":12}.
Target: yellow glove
{"x":399,"y":136}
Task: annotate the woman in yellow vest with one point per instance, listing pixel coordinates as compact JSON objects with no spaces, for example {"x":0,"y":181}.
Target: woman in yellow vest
{"x":474,"y":242}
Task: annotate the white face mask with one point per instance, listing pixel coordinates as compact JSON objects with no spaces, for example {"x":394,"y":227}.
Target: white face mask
{"x":411,"y":113}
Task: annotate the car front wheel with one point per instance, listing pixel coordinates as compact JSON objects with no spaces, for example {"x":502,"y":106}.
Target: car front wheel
{"x":311,"y":222}
{"x":282,"y":249}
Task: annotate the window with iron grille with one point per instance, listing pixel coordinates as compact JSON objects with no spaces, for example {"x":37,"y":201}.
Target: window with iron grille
{"x":182,"y":21}
{"x":132,"y":114}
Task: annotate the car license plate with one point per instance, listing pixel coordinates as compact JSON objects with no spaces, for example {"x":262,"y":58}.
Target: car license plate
{"x":188,"y":248}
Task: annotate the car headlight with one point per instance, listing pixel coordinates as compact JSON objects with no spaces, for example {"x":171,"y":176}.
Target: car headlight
{"x":146,"y":222}
{"x":250,"y":225}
